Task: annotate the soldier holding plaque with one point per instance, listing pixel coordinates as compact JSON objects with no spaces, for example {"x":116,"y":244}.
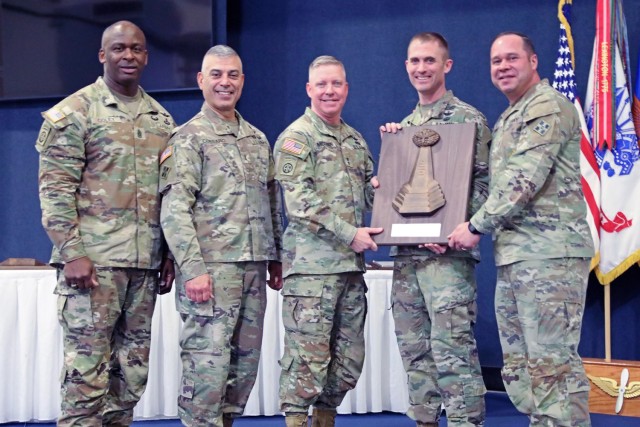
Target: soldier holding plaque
{"x":434,"y":289}
{"x":542,"y":245}
{"x":326,"y":171}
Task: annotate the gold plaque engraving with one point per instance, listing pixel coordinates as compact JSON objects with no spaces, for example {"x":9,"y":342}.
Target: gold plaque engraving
{"x":422,"y":194}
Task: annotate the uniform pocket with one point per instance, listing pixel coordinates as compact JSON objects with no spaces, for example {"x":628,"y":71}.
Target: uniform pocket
{"x":75,"y":312}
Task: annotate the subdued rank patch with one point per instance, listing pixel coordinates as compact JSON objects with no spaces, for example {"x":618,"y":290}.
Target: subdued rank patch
{"x":164,"y":173}
{"x":166,"y":153}
{"x":288,"y":167}
{"x":292,"y":146}
{"x":542,"y":127}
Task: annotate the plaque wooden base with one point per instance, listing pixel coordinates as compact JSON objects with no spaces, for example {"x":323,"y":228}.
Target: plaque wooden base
{"x":423,"y":200}
{"x":604,"y":377}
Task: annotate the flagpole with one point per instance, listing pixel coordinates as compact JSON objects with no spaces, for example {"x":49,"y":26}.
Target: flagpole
{"x":607,"y":323}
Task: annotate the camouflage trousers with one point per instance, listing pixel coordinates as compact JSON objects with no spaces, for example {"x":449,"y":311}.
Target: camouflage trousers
{"x":221,"y":341}
{"x":434,"y":310}
{"x":539,"y":306}
{"x":106,"y":338}
{"x":324,"y":317}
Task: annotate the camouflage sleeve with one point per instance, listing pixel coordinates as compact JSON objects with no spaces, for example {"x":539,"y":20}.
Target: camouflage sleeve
{"x":180,"y":177}
{"x":369,"y":191}
{"x":480,"y":183}
{"x":275,"y":198}
{"x":526,"y":170}
{"x":62,"y":159}
{"x":295,"y":171}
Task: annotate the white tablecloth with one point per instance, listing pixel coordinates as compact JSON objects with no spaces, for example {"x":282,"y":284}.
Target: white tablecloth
{"x":31,"y":354}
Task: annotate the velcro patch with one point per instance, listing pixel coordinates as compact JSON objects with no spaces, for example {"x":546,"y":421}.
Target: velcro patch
{"x":542,"y":127}
{"x":43,"y":136}
{"x":292,"y":147}
{"x":168,"y":152}
{"x":54,"y":115}
{"x":288,"y":167}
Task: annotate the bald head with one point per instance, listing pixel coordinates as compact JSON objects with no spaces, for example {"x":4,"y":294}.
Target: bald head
{"x":121,"y":27}
{"x":124,"y":56}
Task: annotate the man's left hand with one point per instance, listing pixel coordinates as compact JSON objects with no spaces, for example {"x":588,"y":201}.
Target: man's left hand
{"x":167,"y":275}
{"x":461,"y":239}
{"x":275,"y":275}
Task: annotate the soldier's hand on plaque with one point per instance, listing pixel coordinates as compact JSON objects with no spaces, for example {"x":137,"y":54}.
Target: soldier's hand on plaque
{"x":461,"y":239}
{"x":374,"y":182}
{"x":390,"y":127}
{"x":200,"y":288}
{"x":80,"y":273}
{"x":435,"y":248}
{"x":363,"y":241}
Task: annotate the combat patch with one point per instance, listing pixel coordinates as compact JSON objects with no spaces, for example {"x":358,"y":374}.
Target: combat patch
{"x":45,"y":135}
{"x":168,"y":152}
{"x":288,"y":167}
{"x":542,"y":127}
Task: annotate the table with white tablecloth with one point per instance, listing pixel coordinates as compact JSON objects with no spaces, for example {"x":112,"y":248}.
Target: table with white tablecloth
{"x":31,"y":353}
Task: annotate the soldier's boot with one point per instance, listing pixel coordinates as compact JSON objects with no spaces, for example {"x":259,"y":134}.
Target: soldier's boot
{"x":227,"y":421}
{"x":323,"y":417}
{"x":296,"y":420}
{"x":419,"y":424}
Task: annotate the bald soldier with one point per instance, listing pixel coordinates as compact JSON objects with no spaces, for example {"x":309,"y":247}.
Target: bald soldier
{"x":98,"y":182}
{"x":542,"y":243}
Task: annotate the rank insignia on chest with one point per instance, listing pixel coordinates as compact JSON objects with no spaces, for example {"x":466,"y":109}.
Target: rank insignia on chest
{"x":166,"y":154}
{"x":542,"y":127}
{"x":291,"y":146}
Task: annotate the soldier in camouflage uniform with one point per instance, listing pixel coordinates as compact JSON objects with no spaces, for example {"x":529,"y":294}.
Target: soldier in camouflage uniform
{"x":536,"y":212}
{"x":99,"y":152}
{"x":326,"y":171}
{"x":434,"y":288}
{"x":222,"y":218}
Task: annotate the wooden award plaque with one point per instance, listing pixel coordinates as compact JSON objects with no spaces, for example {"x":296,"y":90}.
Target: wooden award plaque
{"x":425,"y":180}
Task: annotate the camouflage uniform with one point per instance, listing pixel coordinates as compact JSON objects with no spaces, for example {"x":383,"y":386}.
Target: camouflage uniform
{"x":221,"y":215}
{"x":542,"y":244}
{"x":434,"y":299}
{"x":325,"y":172}
{"x":99,"y":196}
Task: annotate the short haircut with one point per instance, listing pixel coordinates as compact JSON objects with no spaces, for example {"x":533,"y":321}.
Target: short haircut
{"x":527,"y":44}
{"x":222,"y":51}
{"x":111,"y":28}
{"x":431,"y":37}
{"x":325,"y":60}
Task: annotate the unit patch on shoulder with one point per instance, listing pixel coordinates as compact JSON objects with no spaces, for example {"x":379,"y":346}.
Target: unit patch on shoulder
{"x":541,"y":127}
{"x":54,"y":115}
{"x":44,"y":134}
{"x":166,"y":154}
{"x":292,"y":146}
{"x":288,"y":167}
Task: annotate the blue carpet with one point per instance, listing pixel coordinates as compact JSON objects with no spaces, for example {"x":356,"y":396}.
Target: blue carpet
{"x":500,"y":413}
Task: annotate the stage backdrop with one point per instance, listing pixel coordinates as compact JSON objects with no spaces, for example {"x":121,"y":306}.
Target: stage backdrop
{"x":278,"y":39}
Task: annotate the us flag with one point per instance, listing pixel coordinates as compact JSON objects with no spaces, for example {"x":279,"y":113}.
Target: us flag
{"x":564,"y":82}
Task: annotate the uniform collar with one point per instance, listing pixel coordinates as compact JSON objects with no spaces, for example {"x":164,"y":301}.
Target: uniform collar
{"x":109,"y":99}
{"x":222,"y":127}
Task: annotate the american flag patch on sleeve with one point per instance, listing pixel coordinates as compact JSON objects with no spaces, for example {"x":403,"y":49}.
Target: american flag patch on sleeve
{"x":166,"y":154}
{"x":292,"y":146}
